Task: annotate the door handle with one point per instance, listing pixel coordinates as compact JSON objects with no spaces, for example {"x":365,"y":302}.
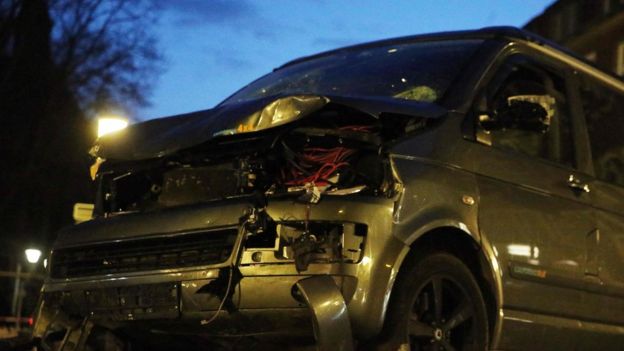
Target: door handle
{"x":576,"y":184}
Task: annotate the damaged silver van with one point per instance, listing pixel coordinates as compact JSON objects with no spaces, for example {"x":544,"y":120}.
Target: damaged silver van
{"x":453,"y":191}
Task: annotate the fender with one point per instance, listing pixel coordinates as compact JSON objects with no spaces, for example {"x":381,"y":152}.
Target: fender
{"x":487,"y":256}
{"x":439,"y":194}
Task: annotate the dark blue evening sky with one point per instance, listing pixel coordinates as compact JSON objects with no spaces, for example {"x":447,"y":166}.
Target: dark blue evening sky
{"x":214,"y":47}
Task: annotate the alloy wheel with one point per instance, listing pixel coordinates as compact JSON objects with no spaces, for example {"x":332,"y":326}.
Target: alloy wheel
{"x":441,"y":317}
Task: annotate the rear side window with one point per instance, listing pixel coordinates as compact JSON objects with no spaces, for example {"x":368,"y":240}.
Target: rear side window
{"x":604,"y":111}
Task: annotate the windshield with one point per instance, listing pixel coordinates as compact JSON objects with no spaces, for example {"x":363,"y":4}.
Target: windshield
{"x":421,"y":71}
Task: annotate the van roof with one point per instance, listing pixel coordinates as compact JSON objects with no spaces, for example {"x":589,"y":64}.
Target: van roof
{"x":502,"y":32}
{"x":484,"y":33}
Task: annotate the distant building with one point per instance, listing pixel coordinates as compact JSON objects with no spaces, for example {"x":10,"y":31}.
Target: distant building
{"x":592,"y":28}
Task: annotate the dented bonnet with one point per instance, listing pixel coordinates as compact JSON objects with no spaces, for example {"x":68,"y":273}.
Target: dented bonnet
{"x":164,"y":136}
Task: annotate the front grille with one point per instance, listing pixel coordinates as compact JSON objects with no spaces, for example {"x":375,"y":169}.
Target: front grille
{"x":179,"y":251}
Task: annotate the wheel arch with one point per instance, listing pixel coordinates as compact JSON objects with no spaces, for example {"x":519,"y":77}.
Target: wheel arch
{"x":456,"y":239}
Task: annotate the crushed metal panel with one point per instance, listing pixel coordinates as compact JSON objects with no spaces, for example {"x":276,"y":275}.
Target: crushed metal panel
{"x":164,"y":136}
{"x":278,"y":112}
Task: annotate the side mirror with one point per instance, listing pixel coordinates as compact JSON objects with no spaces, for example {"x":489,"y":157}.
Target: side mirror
{"x":523,"y":112}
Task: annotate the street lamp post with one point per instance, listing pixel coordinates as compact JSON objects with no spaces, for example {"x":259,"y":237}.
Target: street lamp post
{"x":16,"y":294}
{"x":32,"y":256}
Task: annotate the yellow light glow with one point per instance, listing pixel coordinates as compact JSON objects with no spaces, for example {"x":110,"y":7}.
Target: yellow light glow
{"x":108,"y":125}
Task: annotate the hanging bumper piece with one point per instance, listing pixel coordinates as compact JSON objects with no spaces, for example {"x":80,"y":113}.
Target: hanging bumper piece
{"x":332,"y":328}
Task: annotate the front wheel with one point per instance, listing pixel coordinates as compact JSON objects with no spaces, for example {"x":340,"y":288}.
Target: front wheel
{"x":438,"y":305}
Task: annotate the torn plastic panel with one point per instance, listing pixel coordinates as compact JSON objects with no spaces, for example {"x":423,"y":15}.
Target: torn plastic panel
{"x":332,"y":328}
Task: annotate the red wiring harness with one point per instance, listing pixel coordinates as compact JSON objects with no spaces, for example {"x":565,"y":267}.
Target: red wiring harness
{"x":317,"y":165}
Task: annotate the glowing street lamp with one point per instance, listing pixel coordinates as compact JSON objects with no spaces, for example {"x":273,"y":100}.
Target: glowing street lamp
{"x":32,"y":255}
{"x":110,"y":124}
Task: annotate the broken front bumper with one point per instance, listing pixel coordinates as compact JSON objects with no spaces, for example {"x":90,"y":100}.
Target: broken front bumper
{"x":264,"y":294}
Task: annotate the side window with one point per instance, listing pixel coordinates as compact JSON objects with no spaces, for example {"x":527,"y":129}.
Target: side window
{"x":525,"y":110}
{"x":604,"y":111}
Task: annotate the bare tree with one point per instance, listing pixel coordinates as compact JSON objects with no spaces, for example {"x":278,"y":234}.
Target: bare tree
{"x":105,"y":49}
{"x":59,"y":60}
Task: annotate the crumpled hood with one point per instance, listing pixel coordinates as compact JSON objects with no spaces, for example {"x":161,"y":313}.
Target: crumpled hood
{"x":165,"y":136}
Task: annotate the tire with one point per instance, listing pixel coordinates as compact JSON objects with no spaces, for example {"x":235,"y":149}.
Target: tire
{"x":437,"y":305}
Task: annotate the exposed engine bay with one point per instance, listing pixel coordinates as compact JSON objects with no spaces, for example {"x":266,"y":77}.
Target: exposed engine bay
{"x":339,"y":151}
{"x":304,"y":162}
